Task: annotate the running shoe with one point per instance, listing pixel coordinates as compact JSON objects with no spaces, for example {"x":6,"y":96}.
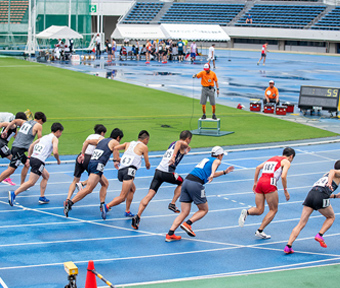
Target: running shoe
{"x":214,"y":117}
{"x":128,"y":214}
{"x":242,"y":218}
{"x":43,"y":200}
{"x":173,"y":208}
{"x":8,"y":181}
{"x":104,"y":209}
{"x":135,"y":222}
{"x":187,"y":228}
{"x":147,"y":62}
{"x":204,"y":117}
{"x":262,"y":235}
{"x":11,"y":197}
{"x":172,"y":238}
{"x":320,"y":240}
{"x":67,"y":207}
{"x":258,"y":63}
{"x":288,"y":250}
{"x":79,"y":186}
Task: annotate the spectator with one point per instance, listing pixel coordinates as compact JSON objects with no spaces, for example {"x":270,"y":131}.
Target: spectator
{"x":193,"y":50}
{"x":148,"y":51}
{"x":133,"y":52}
{"x":211,"y":55}
{"x":181,"y":50}
{"x":271,"y":95}
{"x":137,"y":50}
{"x":174,"y":52}
{"x":143,"y":51}
{"x":114,"y":48}
{"x":249,"y":19}
{"x":108,"y":50}
{"x":126,"y":42}
{"x":98,"y":52}
{"x":122,"y":53}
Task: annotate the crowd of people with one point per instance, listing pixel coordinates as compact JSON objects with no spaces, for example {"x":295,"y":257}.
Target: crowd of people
{"x":97,"y":150}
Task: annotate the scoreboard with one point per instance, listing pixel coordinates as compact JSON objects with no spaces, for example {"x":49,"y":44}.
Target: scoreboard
{"x":319,"y":98}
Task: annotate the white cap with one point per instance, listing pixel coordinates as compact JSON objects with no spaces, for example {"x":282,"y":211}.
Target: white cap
{"x":206,"y":66}
{"x":271,"y":81}
{"x":218,"y":150}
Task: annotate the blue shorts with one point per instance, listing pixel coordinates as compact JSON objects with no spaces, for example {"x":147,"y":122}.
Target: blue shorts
{"x":193,"y":192}
{"x":193,"y":55}
{"x":95,"y":168}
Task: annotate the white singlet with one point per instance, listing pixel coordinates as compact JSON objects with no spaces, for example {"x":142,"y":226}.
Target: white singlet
{"x":44,"y":148}
{"x":130,"y":158}
{"x":90,"y":148}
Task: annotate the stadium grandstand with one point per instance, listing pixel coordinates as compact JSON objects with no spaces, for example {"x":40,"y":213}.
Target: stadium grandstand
{"x":303,"y":25}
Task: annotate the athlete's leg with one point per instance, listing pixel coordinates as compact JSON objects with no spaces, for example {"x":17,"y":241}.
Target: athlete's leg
{"x":264,"y":59}
{"x":24,"y":172}
{"x":330,"y":217}
{"x":45,"y":176}
{"x":177,"y":193}
{"x":306,"y":212}
{"x":92,"y":183}
{"x":126,"y":187}
{"x":31,"y":181}
{"x":185,"y":210}
{"x":72,"y":187}
{"x":214,"y":63}
{"x":273,"y":202}
{"x":259,"y":202}
{"x":145,"y":201}
{"x":103,"y":190}
{"x":129,"y":197}
{"x":202,"y":211}
{"x":5,"y":174}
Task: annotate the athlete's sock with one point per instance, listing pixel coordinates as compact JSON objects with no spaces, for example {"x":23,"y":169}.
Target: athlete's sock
{"x":170,"y":233}
{"x":189,"y":222}
{"x":289,"y":246}
{"x":259,"y":230}
{"x":248,"y":212}
{"x":213,"y":108}
{"x":320,"y":234}
{"x":203,"y":108}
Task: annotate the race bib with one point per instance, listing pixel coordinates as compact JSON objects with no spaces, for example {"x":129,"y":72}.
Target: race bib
{"x":269,"y":167}
{"x":202,"y":163}
{"x":38,"y":148}
{"x":4,"y":149}
{"x":203,"y":193}
{"x":273,"y":181}
{"x":126,"y":160}
{"x":96,"y":154}
{"x":168,"y":154}
{"x":100,"y":167}
{"x":325,"y":203}
{"x":41,"y":168}
{"x":131,"y":172}
{"x":321,"y":182}
{"x":25,"y":128}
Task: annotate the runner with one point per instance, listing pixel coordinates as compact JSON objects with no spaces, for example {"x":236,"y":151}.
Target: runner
{"x":38,"y":152}
{"x":266,"y":189}
{"x":263,"y":53}
{"x":193,"y":190}
{"x":99,"y":133}
{"x":211,"y":56}
{"x":99,"y":159}
{"x":318,"y":199}
{"x":25,"y":137}
{"x":131,"y":161}
{"x":165,"y":172}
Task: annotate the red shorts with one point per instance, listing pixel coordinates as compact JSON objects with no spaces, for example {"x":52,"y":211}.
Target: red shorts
{"x":264,"y":187}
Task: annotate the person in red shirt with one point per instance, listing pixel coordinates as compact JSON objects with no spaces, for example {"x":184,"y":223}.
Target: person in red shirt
{"x":263,"y":53}
{"x":265,"y":189}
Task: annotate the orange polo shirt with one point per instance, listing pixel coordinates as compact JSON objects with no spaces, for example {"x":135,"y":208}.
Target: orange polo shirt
{"x":207,"y":78}
{"x":273,"y":92}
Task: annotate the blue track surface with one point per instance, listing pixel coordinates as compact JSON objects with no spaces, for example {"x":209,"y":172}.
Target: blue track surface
{"x":37,"y":239}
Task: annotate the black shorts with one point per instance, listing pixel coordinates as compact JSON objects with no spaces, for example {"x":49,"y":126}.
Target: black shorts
{"x":317,"y":198}
{"x":109,"y":51}
{"x":181,"y":53}
{"x":37,"y":166}
{"x":4,"y":150}
{"x":127,"y":173}
{"x":95,"y":168}
{"x":18,"y":155}
{"x":80,"y":168}
{"x":137,"y":51}
{"x":263,"y":55}
{"x":160,"y":177}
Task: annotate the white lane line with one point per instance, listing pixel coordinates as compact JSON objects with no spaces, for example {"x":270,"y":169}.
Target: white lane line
{"x":3,"y":284}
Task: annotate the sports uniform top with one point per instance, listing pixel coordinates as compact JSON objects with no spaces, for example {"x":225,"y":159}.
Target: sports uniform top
{"x":43,"y":149}
{"x":211,"y":52}
{"x":10,"y":134}
{"x":102,"y":152}
{"x":272,"y":170}
{"x":90,"y":148}
{"x":203,"y":169}
{"x":322,"y":182}
{"x":180,"y":45}
{"x":264,"y":49}
{"x":164,"y":165}
{"x":25,"y":136}
{"x":6,"y":117}
{"x":130,"y":158}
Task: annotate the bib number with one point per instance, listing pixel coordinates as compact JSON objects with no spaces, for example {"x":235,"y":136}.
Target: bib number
{"x":321,"y":182}
{"x":38,"y":148}
{"x":325,"y":203}
{"x":202,"y":163}
{"x":203,"y":193}
{"x":168,"y":154}
{"x":126,"y":160}
{"x":25,"y":128}
{"x":96,"y":154}
{"x":269,"y":167}
{"x":100,"y":167}
{"x":41,"y":168}
{"x":131,"y":172}
{"x":273,"y":181}
{"x":4,"y":149}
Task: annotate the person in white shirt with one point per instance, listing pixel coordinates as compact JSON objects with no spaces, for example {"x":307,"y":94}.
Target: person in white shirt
{"x":193,"y":50}
{"x":211,"y":55}
{"x":98,"y":52}
{"x":38,"y":152}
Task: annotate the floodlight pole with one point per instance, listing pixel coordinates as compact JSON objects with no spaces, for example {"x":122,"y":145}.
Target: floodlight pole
{"x":69,"y":12}
{"x":29,"y":36}
{"x":34,"y":25}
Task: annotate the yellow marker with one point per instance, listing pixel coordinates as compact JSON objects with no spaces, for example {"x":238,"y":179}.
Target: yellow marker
{"x":71,"y":268}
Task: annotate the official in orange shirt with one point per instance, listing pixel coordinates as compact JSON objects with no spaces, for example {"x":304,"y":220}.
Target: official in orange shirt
{"x":271,"y":95}
{"x":208,"y":81}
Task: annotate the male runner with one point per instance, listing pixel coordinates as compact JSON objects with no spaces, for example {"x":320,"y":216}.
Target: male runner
{"x":98,"y":161}
{"x":99,"y":133}
{"x":318,"y":199}
{"x":165,"y":172}
{"x":25,"y":137}
{"x":193,"y":190}
{"x":5,"y":152}
{"x":131,"y":161}
{"x":266,"y":189}
{"x":263,"y":54}
{"x":38,"y":152}
{"x":148,"y":51}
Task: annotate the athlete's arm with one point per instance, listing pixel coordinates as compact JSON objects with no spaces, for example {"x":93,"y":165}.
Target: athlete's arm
{"x":30,"y":150}
{"x":55,"y":152}
{"x":12,"y":124}
{"x":180,"y":146}
{"x":116,"y":158}
{"x":146,"y":157}
{"x":214,"y":167}
{"x":285,"y":167}
{"x":37,"y":130}
{"x":257,"y":173}
{"x":331,"y":175}
{"x":93,"y":142}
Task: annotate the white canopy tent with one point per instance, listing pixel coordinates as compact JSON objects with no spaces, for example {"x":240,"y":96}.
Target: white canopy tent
{"x":138,"y":32}
{"x":56,"y":32}
{"x":195,"y":32}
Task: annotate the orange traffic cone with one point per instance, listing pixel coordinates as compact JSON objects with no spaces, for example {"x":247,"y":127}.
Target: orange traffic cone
{"x":91,"y":281}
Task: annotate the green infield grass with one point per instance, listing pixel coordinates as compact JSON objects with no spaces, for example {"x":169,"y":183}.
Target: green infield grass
{"x":79,"y":101}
